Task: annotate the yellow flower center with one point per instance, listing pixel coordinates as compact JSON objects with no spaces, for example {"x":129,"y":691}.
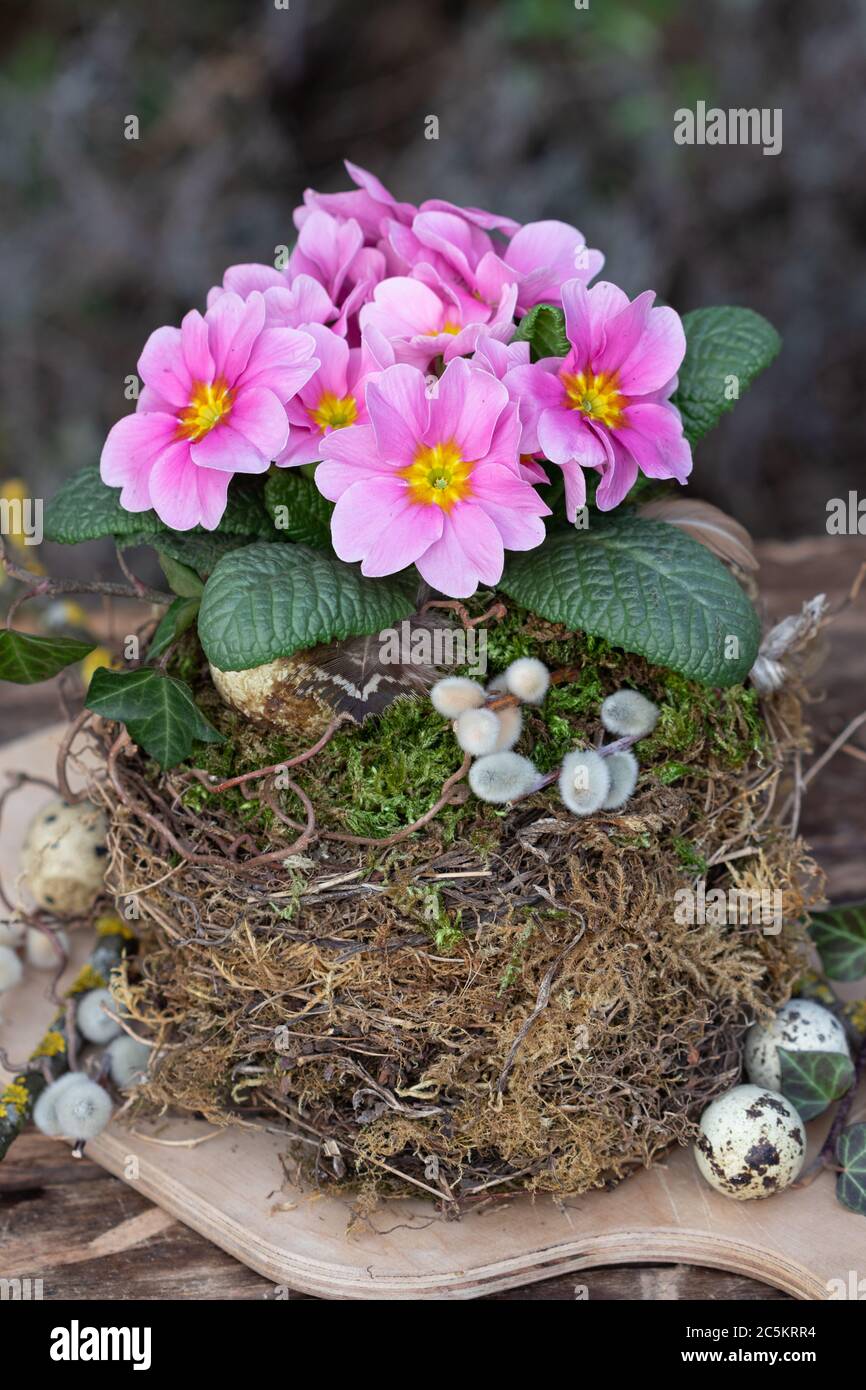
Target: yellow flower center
{"x":449,"y":326}
{"x":596,"y":395}
{"x":439,"y":476}
{"x":334,"y":412}
{"x":209,"y":404}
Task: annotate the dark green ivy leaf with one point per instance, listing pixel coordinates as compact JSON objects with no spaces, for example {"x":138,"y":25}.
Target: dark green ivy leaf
{"x":159,"y":711}
{"x":851,"y":1155}
{"x":839,"y":935}
{"x":25,"y":659}
{"x":813,"y":1080}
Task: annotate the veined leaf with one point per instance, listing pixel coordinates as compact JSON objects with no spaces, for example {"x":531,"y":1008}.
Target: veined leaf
{"x":813,"y":1080}
{"x":646,"y":587}
{"x":180,"y":615}
{"x":839,"y":935}
{"x":270,"y":600}
{"x":183,"y":581}
{"x":25,"y":659}
{"x":544,"y":329}
{"x":159,"y":711}
{"x":726,"y":348}
{"x":298,"y":510}
{"x":851,"y":1182}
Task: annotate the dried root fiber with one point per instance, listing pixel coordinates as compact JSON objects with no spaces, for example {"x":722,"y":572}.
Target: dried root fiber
{"x":502,"y":1000}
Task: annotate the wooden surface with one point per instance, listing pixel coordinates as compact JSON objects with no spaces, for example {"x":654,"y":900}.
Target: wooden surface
{"x":88,"y":1235}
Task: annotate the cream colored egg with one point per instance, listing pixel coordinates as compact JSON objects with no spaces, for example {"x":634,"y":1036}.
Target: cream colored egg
{"x":63,"y":857}
{"x":46,"y":951}
{"x":799,"y":1026}
{"x":267,"y":695}
{"x":751,"y":1143}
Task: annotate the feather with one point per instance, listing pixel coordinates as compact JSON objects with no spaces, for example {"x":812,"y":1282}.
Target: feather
{"x":711,"y":526}
{"x":364,"y":675}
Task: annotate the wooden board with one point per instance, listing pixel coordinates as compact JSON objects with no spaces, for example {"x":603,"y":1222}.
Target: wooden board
{"x":232,"y":1189}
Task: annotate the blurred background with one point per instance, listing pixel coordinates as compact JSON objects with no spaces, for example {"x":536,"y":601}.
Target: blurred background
{"x":545,"y":110}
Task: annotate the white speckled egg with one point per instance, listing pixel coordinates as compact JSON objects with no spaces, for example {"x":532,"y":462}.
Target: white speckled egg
{"x":751,"y":1143}
{"x":799,"y":1026}
{"x":63,"y":857}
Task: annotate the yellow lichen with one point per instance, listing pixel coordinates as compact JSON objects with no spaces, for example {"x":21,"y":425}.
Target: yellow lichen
{"x":87,"y":978}
{"x":16,"y":1096}
{"x":51,"y":1045}
{"x":109,"y":924}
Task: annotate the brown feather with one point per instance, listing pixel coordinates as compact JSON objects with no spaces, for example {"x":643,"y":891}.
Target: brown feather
{"x":711,"y":526}
{"x":352,"y":677}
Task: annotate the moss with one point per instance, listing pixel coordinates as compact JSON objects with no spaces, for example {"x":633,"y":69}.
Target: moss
{"x":688,"y":856}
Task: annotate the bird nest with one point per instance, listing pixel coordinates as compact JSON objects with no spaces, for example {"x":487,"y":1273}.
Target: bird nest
{"x":496,"y":1000}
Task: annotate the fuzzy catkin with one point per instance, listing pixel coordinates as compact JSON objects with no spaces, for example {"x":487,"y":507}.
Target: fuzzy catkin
{"x":477,"y":731}
{"x":528,"y":679}
{"x":629,"y":714}
{"x":45,"y":1109}
{"x":451,"y":696}
{"x":92,"y":1020}
{"x":584,"y":782}
{"x":83,"y":1110}
{"x":127,"y":1059}
{"x":623,"y":772}
{"x":502,"y":777}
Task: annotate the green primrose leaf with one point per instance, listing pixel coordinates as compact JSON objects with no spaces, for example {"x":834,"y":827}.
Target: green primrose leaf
{"x":726,"y":348}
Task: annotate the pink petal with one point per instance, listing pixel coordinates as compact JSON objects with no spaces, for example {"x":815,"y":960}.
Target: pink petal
{"x":399,"y":411}
{"x":537,"y":389}
{"x":181,"y":498}
{"x":512,"y":504}
{"x":162,"y":366}
{"x":243,"y":279}
{"x":564,"y":435}
{"x":654,"y":438}
{"x":303,"y":446}
{"x":377,"y":522}
{"x":578,"y":322}
{"x":233,"y":326}
{"x":196,"y":353}
{"x":618,"y":478}
{"x":657,"y":356}
{"x":466,"y":408}
{"x":304,"y":301}
{"x":258,"y":415}
{"x":129,"y":453}
{"x":281,"y":360}
{"x":213,"y":487}
{"x":461,"y":244}
{"x":348,"y":455}
{"x":227,"y":449}
{"x":575,"y":489}
{"x":470,"y":549}
{"x":623,"y":334}
{"x":402,"y":307}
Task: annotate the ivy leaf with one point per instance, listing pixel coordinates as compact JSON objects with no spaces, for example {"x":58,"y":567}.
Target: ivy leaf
{"x":183,"y":581}
{"x":298,"y":510}
{"x":646,"y":587}
{"x":25,"y":659}
{"x":85,"y":508}
{"x":851,"y":1182}
{"x":159,"y":711}
{"x":721,"y":344}
{"x":271,"y":600}
{"x":839,"y":935}
{"x":813,"y":1080}
{"x":544,"y":329}
{"x":179,"y":616}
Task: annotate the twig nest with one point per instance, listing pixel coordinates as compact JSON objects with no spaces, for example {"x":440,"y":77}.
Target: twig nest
{"x":11,"y":969}
{"x":127,"y":1060}
{"x":751,"y":1143}
{"x":528,"y":679}
{"x":92,"y":1020}
{"x":11,"y":934}
{"x":63,"y":857}
{"x":45,"y":950}
{"x":451,"y":696}
{"x":45,"y":1109}
{"x":627,"y":713}
{"x":502,"y":777}
{"x":799,"y":1026}
{"x":268,"y":696}
{"x":83,"y":1109}
{"x":622,"y":769}
{"x":477,"y":731}
{"x":584,"y":782}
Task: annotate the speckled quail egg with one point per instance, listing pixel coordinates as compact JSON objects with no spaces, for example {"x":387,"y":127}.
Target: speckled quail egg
{"x":751,"y":1143}
{"x":267,"y":695}
{"x":63,"y":857}
{"x":799,"y":1026}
